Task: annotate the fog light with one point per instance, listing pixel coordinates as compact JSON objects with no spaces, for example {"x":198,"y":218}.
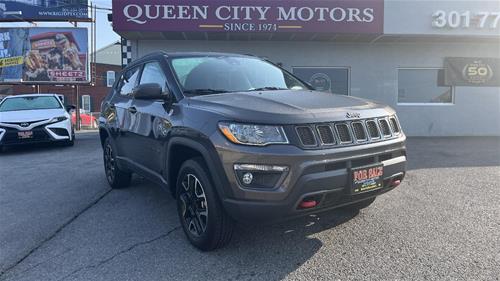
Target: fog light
{"x":257,"y":176}
{"x":247,"y":178}
{"x":263,"y":168}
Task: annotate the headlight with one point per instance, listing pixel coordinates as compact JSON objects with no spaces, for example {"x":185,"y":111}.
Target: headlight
{"x":58,"y":119}
{"x":259,"y":135}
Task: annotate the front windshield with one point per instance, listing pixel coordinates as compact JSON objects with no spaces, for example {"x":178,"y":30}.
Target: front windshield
{"x":207,"y":75}
{"x":29,"y":103}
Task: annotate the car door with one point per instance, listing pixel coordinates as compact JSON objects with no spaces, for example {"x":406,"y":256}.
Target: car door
{"x":151,"y":121}
{"x":121,"y":103}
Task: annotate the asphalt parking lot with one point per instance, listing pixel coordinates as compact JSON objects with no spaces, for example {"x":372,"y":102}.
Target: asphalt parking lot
{"x":60,"y":221}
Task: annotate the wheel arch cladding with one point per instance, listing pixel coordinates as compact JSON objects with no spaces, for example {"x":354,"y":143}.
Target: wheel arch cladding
{"x":103,"y":135}
{"x":181,"y":149}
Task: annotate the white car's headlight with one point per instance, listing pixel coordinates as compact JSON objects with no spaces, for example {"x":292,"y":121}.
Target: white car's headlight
{"x":248,"y":134}
{"x":58,"y":119}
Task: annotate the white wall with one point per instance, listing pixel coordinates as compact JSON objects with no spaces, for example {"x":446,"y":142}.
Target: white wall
{"x":374,"y":75}
{"x":410,"y":17}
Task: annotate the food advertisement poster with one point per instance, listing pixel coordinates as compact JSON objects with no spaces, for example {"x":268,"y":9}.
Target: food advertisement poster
{"x":43,"y":55}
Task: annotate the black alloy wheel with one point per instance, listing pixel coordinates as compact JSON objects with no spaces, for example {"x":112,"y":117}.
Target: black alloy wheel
{"x":116,"y":177}
{"x":109,"y":162}
{"x":194,"y":207}
{"x":201,"y":214}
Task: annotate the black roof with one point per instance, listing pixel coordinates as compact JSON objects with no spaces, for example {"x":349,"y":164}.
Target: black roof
{"x":184,"y":54}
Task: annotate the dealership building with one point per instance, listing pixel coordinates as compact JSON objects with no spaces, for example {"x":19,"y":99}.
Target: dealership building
{"x":436,"y":62}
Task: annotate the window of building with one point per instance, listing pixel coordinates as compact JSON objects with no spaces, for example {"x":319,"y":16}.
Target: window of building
{"x":86,"y":104}
{"x":153,"y":73}
{"x":61,"y":97}
{"x":326,"y":79}
{"x":110,"y":78}
{"x":423,"y":86}
{"x":128,"y":81}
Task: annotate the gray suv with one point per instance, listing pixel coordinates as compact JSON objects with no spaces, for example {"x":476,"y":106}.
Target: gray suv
{"x":236,"y":138}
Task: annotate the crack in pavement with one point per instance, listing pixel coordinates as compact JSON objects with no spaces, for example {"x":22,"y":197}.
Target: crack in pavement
{"x":104,"y":261}
{"x":45,"y":261}
{"x":93,"y":203}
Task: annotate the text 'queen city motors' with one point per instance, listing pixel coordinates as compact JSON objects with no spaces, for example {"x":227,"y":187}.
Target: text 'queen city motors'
{"x":142,"y":14}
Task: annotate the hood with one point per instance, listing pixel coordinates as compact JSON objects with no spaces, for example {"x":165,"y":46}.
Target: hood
{"x":288,"y":107}
{"x":30,"y":115}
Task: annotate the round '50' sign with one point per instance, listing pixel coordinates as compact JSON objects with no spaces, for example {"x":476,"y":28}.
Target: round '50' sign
{"x":477,"y":72}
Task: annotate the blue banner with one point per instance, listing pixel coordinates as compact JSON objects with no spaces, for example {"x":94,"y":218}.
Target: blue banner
{"x":44,"y":10}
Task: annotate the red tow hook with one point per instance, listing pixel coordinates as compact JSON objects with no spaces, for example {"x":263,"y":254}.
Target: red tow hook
{"x":396,"y":183}
{"x":308,"y":204}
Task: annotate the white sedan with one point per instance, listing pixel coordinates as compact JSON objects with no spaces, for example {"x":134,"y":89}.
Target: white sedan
{"x":34,"y":118}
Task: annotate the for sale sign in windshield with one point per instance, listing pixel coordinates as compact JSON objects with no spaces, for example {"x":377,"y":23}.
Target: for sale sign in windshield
{"x":43,"y":55}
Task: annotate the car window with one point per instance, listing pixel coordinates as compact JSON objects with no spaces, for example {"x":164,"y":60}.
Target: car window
{"x":231,"y":74}
{"x":29,"y":103}
{"x":128,"y":81}
{"x":153,"y":73}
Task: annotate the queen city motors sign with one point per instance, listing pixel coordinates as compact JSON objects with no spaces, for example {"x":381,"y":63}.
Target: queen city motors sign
{"x":313,"y":16}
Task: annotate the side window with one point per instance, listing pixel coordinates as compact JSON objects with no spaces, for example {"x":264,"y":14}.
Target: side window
{"x":128,"y":81}
{"x":153,"y":73}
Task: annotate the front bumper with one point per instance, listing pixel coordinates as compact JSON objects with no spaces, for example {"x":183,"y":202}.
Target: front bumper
{"x":322,"y":174}
{"x":53,"y":132}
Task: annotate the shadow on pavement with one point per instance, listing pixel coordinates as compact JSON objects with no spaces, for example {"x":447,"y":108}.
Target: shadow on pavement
{"x":30,"y":148}
{"x":82,"y":141}
{"x":135,"y":234}
{"x":288,"y":245}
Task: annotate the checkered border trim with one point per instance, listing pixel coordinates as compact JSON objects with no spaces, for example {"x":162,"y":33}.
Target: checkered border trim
{"x":126,"y":52}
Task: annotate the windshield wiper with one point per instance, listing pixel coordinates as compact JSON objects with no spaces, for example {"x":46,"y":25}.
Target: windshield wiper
{"x":267,"y":89}
{"x":204,"y":91}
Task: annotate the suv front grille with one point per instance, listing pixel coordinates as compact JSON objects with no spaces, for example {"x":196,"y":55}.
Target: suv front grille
{"x":326,"y":134}
{"x":306,"y":135}
{"x":384,"y":126}
{"x":394,"y":125}
{"x":359,"y":131}
{"x":344,"y":133}
{"x":371,"y":125}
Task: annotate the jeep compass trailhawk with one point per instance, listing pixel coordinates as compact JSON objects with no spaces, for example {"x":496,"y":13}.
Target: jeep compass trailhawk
{"x":236,"y":138}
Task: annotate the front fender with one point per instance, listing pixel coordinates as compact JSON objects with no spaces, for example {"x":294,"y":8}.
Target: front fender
{"x":206,"y":149}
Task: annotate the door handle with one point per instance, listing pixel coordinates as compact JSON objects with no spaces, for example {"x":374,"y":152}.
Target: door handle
{"x":132,"y":110}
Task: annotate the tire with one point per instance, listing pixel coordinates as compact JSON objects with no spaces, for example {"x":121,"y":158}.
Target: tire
{"x":360,"y":205}
{"x":72,"y":141}
{"x":117,"y":178}
{"x":203,"y":219}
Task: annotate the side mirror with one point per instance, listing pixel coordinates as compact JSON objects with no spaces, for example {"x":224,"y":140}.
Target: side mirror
{"x":151,"y":91}
{"x":70,"y":107}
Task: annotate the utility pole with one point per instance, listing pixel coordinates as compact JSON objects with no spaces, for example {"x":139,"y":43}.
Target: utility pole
{"x":77,"y":113}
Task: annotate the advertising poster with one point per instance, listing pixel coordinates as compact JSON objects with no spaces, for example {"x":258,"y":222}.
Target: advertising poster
{"x":43,"y":55}
{"x":325,"y":79}
{"x":473,"y":72}
{"x":44,"y":10}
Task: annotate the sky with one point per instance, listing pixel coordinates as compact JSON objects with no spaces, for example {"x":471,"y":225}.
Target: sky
{"x":105,"y":33}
